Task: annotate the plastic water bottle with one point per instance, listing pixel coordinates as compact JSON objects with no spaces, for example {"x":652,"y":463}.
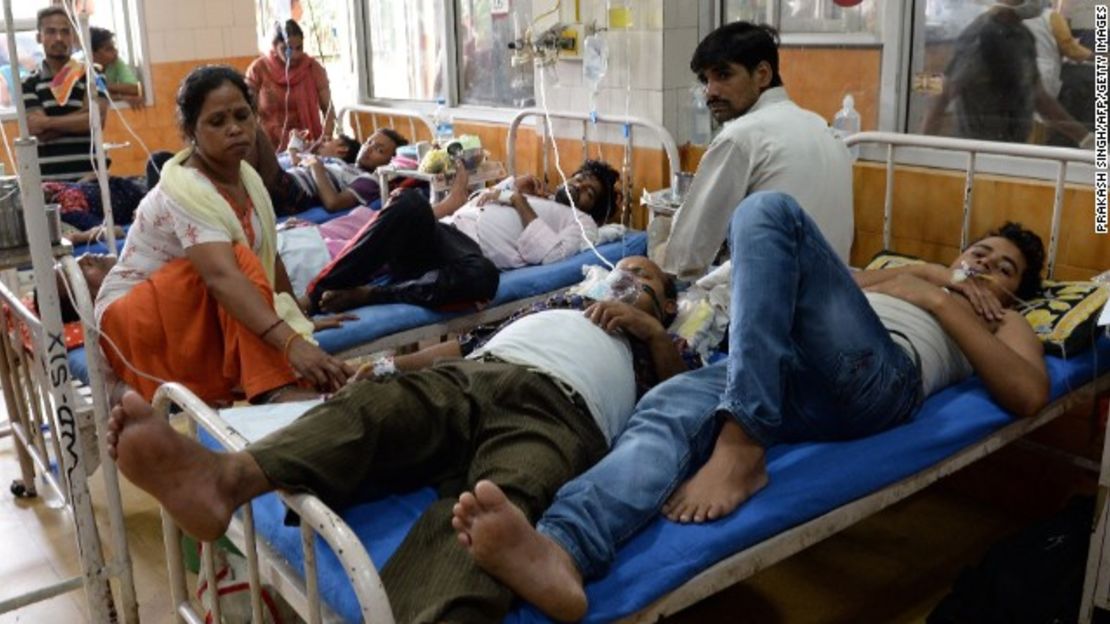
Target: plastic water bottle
{"x":701,"y":129}
{"x":846,"y":122}
{"x":444,"y":123}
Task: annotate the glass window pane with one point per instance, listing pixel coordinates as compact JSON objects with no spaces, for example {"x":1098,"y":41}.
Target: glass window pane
{"x":487,"y":75}
{"x":30,"y":56}
{"x":24,"y":9}
{"x":407,"y":51}
{"x":808,"y":16}
{"x":825,"y":16}
{"x":748,"y":11}
{"x":976,"y":75}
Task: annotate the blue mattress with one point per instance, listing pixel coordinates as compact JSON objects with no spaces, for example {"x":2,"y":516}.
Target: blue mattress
{"x":383,"y":320}
{"x":807,"y":480}
{"x":316,"y":215}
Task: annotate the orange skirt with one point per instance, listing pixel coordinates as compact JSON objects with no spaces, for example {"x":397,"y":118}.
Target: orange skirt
{"x":170,"y":327}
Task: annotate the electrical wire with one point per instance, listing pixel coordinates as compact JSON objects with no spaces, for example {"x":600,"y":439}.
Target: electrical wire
{"x":559,"y":169}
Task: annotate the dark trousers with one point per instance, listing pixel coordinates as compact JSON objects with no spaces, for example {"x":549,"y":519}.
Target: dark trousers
{"x":460,"y":421}
{"x":432,"y":263}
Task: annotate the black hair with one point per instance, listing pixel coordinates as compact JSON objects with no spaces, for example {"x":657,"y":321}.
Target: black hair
{"x":49,"y":11}
{"x":352,"y":146}
{"x":607,"y":176}
{"x":196,"y":87}
{"x":290,"y":29}
{"x":743,"y":43}
{"x":99,"y":37}
{"x":67,"y":309}
{"x":1032,"y":249}
{"x":398,"y":139}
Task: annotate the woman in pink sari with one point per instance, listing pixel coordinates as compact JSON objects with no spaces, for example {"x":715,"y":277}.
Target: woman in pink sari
{"x":291,"y":89}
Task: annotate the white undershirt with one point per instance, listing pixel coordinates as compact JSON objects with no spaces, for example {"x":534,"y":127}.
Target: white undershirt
{"x":567,"y":346}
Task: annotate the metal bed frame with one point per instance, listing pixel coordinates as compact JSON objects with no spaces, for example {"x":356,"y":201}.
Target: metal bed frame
{"x":392,"y":115}
{"x":746,"y":563}
{"x":316,"y":517}
{"x":52,"y":422}
{"x":496,"y":313}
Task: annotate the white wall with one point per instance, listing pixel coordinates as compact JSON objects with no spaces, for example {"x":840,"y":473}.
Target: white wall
{"x":648,"y":74}
{"x":186,"y":30}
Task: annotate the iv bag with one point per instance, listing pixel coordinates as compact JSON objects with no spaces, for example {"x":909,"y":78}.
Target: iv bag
{"x":595,"y":60}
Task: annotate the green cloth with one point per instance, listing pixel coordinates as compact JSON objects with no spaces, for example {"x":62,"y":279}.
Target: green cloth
{"x":454,"y":424}
{"x":120,"y":73}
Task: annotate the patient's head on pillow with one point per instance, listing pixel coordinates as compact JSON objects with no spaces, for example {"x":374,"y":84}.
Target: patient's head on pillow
{"x":658,"y":291}
{"x":1012,"y":256}
{"x":593,"y":188}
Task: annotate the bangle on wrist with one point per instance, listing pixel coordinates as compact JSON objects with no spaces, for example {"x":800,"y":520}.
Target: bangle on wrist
{"x":269,"y":329}
{"x":288,"y":343}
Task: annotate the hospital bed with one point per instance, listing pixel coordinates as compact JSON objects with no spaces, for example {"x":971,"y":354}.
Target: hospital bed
{"x":816,"y":489}
{"x":59,"y":446}
{"x":382,"y":327}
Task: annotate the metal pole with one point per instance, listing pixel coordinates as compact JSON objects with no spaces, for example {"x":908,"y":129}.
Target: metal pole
{"x":63,"y":401}
{"x":96,"y":129}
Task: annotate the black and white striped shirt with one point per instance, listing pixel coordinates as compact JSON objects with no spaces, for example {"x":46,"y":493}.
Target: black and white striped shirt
{"x":66,"y":158}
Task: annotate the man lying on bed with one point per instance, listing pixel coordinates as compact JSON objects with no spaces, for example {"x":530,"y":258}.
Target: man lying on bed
{"x":815,"y":353}
{"x":530,"y":406}
{"x":452,"y":253}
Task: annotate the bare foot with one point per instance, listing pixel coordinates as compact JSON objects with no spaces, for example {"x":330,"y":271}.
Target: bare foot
{"x":345,"y":299}
{"x":735,"y":471}
{"x":198,"y":487}
{"x":504,"y":544}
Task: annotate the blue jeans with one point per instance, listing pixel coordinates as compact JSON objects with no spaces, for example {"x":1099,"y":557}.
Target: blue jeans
{"x":808,"y":360}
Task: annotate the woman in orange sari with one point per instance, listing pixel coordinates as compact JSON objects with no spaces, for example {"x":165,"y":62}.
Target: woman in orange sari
{"x":291,"y":89}
{"x":199,"y":295}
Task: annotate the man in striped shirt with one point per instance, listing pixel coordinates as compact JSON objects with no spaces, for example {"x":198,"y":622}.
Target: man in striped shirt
{"x":62,"y":127}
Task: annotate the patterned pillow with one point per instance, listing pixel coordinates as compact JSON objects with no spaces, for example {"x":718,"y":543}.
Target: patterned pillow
{"x":1065,"y":315}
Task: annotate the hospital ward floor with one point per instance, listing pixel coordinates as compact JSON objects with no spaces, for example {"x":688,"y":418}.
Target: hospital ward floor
{"x":892,"y":567}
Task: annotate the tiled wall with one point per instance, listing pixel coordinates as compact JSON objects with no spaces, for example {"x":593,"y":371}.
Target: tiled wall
{"x":180,"y":35}
{"x":928,"y":215}
{"x":186,"y":30}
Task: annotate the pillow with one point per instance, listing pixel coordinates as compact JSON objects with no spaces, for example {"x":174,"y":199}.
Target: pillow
{"x":1064,"y":316}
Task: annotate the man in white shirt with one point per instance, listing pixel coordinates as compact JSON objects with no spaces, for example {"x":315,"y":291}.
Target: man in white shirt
{"x":766,"y":143}
{"x":451,"y":253}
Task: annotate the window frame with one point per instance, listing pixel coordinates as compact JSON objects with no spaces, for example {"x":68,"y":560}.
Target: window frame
{"x":902,"y":26}
{"x":452,"y":70}
{"x":132,"y":18}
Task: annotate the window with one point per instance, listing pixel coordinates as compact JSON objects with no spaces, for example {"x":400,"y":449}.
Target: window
{"x":487,"y":75}
{"x":994,"y":99}
{"x":808,"y":16}
{"x":118,"y":16}
{"x":406,"y":48}
{"x":410,"y":41}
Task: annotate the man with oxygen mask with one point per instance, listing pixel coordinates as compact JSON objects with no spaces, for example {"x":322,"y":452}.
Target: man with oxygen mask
{"x":529,"y":402}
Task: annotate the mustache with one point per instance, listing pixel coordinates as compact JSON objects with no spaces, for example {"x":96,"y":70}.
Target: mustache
{"x":715,"y":100}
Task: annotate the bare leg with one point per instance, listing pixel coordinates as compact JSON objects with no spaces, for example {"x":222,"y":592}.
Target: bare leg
{"x":342,"y":299}
{"x":505,"y":545}
{"x":198,"y":487}
{"x":734,"y":472}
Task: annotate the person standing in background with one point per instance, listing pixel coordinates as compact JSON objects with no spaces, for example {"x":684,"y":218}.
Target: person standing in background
{"x":291,"y":88}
